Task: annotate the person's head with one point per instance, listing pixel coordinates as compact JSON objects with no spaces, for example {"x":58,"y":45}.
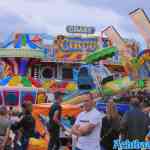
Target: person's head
{"x":135,"y":101}
{"x":88,"y":101}
{"x":58,"y":97}
{"x":27,"y":107}
{"x":111,"y":110}
{"x":3,"y":111}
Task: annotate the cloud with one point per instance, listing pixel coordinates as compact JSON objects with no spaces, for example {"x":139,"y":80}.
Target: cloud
{"x":126,"y":26}
{"x":52,"y":16}
{"x":119,"y":6}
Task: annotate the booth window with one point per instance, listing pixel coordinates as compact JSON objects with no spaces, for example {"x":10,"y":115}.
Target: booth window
{"x":67,"y":74}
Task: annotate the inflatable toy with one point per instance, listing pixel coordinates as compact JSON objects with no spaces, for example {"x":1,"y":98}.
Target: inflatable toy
{"x":100,"y":54}
{"x":120,"y":85}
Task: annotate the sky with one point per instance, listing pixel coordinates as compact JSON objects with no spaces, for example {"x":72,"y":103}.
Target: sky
{"x":52,"y":16}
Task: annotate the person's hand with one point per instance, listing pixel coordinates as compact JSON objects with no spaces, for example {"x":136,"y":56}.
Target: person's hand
{"x":83,"y":128}
{"x":78,"y":133}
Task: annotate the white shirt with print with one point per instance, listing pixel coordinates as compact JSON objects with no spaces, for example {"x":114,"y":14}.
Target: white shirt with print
{"x":92,"y":140}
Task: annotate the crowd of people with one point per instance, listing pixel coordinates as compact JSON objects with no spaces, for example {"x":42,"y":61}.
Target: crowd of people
{"x":16,"y":127}
{"x":92,"y":129}
{"x":95,"y":130}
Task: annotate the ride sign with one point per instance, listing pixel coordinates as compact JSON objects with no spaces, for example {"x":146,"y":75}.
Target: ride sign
{"x":80,"y":29}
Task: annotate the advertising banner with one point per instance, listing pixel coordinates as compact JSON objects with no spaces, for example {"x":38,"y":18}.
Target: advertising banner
{"x":80,"y":29}
{"x":72,"y":43}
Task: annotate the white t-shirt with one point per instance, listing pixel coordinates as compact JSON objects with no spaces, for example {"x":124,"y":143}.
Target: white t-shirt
{"x":92,"y":140}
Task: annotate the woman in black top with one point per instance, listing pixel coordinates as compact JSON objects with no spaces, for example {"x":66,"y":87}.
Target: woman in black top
{"x":55,"y":122}
{"x":110,"y":126}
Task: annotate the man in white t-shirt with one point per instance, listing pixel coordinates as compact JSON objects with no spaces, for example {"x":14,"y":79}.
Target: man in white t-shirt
{"x":88,"y":125}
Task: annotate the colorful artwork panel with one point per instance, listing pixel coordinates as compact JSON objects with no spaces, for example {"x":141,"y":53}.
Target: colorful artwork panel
{"x":11,"y":97}
{"x":41,"y":98}
{"x":28,"y":96}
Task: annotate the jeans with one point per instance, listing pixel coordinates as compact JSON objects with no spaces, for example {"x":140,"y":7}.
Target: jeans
{"x":54,"y":142}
